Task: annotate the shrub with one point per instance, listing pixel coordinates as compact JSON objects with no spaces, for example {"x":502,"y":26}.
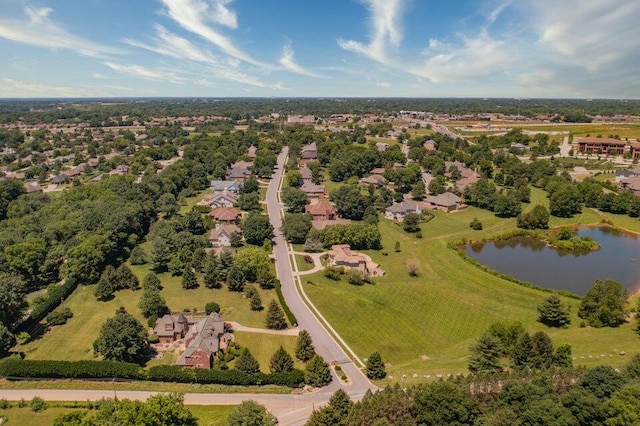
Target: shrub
{"x":16,"y":367}
{"x":308,"y":259}
{"x":475,"y":224}
{"x":153,"y":339}
{"x":356,"y":277}
{"x":333,"y":273}
{"x":419,"y":235}
{"x":37,"y":404}
{"x":212,"y":307}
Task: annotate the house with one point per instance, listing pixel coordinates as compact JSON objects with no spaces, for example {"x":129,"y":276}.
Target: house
{"x":322,"y":210}
{"x":60,"y":179}
{"x":632,"y":184}
{"x":590,"y":145}
{"x":306,"y":173}
{"x":225,"y":214}
{"x":223,"y":199}
{"x":32,"y":187}
{"x":448,"y":202}
{"x":376,"y":180}
{"x":623,"y":174}
{"x":342,"y":256}
{"x":430,"y":145}
{"x":170,"y":328}
{"x":225,"y":185}
{"x":204,"y":339}
{"x":313,"y":191}
{"x":301,"y":119}
{"x":222,"y":234}
{"x":239,"y":174}
{"x":381,"y":146}
{"x":309,"y":152}
{"x":251,"y":152}
{"x":378,"y":171}
{"x":397,"y":211}
{"x":242,"y":165}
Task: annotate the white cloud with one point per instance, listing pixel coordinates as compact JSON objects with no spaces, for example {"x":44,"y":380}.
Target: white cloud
{"x":10,"y":88}
{"x":169,"y":44}
{"x":223,"y":15}
{"x":288,"y":61}
{"x":384,"y":84}
{"x":39,"y":30}
{"x":385,"y":30}
{"x":193,"y":15}
{"x":147,"y":73}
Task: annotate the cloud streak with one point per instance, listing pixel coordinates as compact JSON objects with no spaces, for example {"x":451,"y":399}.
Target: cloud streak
{"x":288,"y":62}
{"x":38,"y":29}
{"x":147,"y":73}
{"x":385,"y":30}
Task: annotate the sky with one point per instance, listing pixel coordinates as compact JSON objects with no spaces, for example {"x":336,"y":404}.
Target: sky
{"x":320,"y":48}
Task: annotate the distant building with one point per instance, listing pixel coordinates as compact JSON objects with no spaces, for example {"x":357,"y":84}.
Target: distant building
{"x":301,"y":119}
{"x":605,"y":146}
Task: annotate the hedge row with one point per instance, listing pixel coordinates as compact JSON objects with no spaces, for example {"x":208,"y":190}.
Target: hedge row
{"x":53,"y":298}
{"x":172,"y":373}
{"x":16,"y":367}
{"x":292,"y":318}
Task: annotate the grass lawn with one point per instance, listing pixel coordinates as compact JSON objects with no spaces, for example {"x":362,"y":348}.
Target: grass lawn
{"x":302,"y":265}
{"x":262,"y":346}
{"x":425,"y":325}
{"x":191,"y":201}
{"x":207,"y":415}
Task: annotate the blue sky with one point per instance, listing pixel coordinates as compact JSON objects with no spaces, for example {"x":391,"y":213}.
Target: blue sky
{"x":320,"y":48}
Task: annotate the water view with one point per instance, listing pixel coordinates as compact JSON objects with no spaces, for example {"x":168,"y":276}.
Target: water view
{"x":532,"y":260}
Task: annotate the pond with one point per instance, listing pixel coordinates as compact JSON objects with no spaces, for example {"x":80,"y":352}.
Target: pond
{"x":532,"y":260}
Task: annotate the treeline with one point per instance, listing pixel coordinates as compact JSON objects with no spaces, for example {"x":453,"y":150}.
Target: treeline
{"x":102,"y":112}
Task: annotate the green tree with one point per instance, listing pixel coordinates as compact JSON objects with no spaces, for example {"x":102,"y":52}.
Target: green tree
{"x":125,"y":279}
{"x":537,"y":218}
{"x":411,"y":222}
{"x":211,"y":307}
{"x":317,"y":372}
{"x":350,"y":203}
{"x":562,"y":357}
{"x":189,"y":279}
{"x":543,"y":351}
{"x":475,"y":224}
{"x":375,"y":367}
{"x":296,"y":227}
{"x":507,"y":205}
{"x":104,"y":289}
{"x":246,"y":363}
{"x":605,"y":304}
{"x":255,"y":302}
{"x":256,"y":228}
{"x":7,"y":340}
{"x":554,"y":313}
{"x":602,"y":381}
{"x":294,"y":178}
{"x":250,"y":413}
{"x":151,"y":281}
{"x":275,"y":317}
{"x":304,"y":346}
{"x":253,"y":262}
{"x":333,"y":413}
{"x":624,"y":406}
{"x":523,"y":352}
{"x":235,"y":279}
{"x":152,"y":303}
{"x":168,"y":205}
{"x":122,"y":338}
{"x":442,"y":403}
{"x":585,"y":407}
{"x":249,"y":202}
{"x":294,"y":199}
{"x":418,"y":190}
{"x":565,"y":201}
{"x":485,"y":355}
{"x":138,"y":256}
{"x":250,"y":185}
{"x":211,"y":274}
{"x":280,"y":361}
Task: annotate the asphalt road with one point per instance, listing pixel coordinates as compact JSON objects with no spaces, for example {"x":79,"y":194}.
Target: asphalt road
{"x":324,"y":343}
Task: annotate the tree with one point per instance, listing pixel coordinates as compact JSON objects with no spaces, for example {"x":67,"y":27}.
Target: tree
{"x":152,"y":303}
{"x":138,"y":256}
{"x":151,"y":281}
{"x":125,"y":279}
{"x":565,"y":201}
{"x":553,"y":313}
{"x":562,"y":357}
{"x":411,"y":222}
{"x":413,"y":267}
{"x":296,"y":226}
{"x":543,"y":351}
{"x":442,"y":403}
{"x":537,"y":218}
{"x":333,"y":413}
{"x":253,"y":261}
{"x":602,"y":381}
{"x":189,"y":279}
{"x":418,"y":190}
{"x":485,"y":355}
{"x":167,"y":204}
{"x":104,"y":290}
{"x":317,"y":372}
{"x":246,"y":363}
{"x":523,"y":352}
{"x":256,"y":228}
{"x":249,"y":202}
{"x":280,"y":361}
{"x":304,"y":346}
{"x":624,"y":406}
{"x":350,"y":202}
{"x":275,"y":317}
{"x":235,"y":279}
{"x":507,"y":205}
{"x":250,"y":185}
{"x":122,"y":338}
{"x":437,"y":185}
{"x":295,"y":199}
{"x":375,"y":367}
{"x":255,"y":302}
{"x":250,"y":413}
{"x":211,"y":307}
{"x":605,"y":304}
{"x":12,"y":298}
{"x":294,"y":178}
{"x":211,"y":273}
{"x":7,"y":340}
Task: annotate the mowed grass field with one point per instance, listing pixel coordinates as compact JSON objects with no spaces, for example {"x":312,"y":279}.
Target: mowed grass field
{"x":262,"y":346}
{"x":425,"y":325}
{"x":207,"y":415}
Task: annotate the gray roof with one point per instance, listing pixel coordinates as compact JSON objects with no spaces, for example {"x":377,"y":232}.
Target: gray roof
{"x":403,"y":207}
{"x":447,"y":199}
{"x":221,"y":185}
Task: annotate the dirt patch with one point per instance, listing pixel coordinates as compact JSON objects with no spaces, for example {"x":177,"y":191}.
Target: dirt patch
{"x":424,"y":357}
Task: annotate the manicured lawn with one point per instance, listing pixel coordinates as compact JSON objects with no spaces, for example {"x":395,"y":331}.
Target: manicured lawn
{"x":262,"y":346}
{"x":425,"y":325}
{"x":191,"y":201}
{"x":302,"y":265}
{"x":207,"y":415}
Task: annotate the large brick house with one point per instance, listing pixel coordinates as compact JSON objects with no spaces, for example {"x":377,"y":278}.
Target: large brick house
{"x":170,"y":328}
{"x":322,"y":210}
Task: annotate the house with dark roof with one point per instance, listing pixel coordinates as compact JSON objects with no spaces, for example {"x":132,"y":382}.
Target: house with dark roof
{"x":225,"y":185}
{"x":221,"y":199}
{"x":204,"y":339}
{"x":632,"y":184}
{"x":309,"y":152}
{"x":306,"y":173}
{"x":397,"y":211}
{"x":448,"y":202}
{"x":313,"y":191}
{"x":170,"y":328}
{"x":322,"y":210}
{"x":376,"y":180}
{"x":239,"y":174}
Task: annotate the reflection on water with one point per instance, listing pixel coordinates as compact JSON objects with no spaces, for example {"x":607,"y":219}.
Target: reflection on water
{"x":532,"y":260}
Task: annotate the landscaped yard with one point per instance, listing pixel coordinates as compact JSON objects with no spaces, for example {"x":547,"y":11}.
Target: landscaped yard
{"x":425,"y":325}
{"x":262,"y":346}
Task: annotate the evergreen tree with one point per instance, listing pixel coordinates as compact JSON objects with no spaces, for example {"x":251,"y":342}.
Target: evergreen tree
{"x":317,"y":372}
{"x":226,"y":262}
{"x":553,"y":313}
{"x":523,"y":352}
{"x":211,"y":307}
{"x":152,"y":303}
{"x":375,"y":367}
{"x":334,"y":413}
{"x":255,"y":302}
{"x":151,"y":281}
{"x":189,"y":280}
{"x":211,"y":274}
{"x":250,"y":413}
{"x":138,"y":256}
{"x":235,"y":279}
{"x":7,"y":340}
{"x":280,"y":361}
{"x":246,"y":363}
{"x":304,"y":346}
{"x":543,"y":351}
{"x":275,"y":317}
{"x":104,"y":290}
{"x":125,"y":279}
{"x":485,"y":355}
